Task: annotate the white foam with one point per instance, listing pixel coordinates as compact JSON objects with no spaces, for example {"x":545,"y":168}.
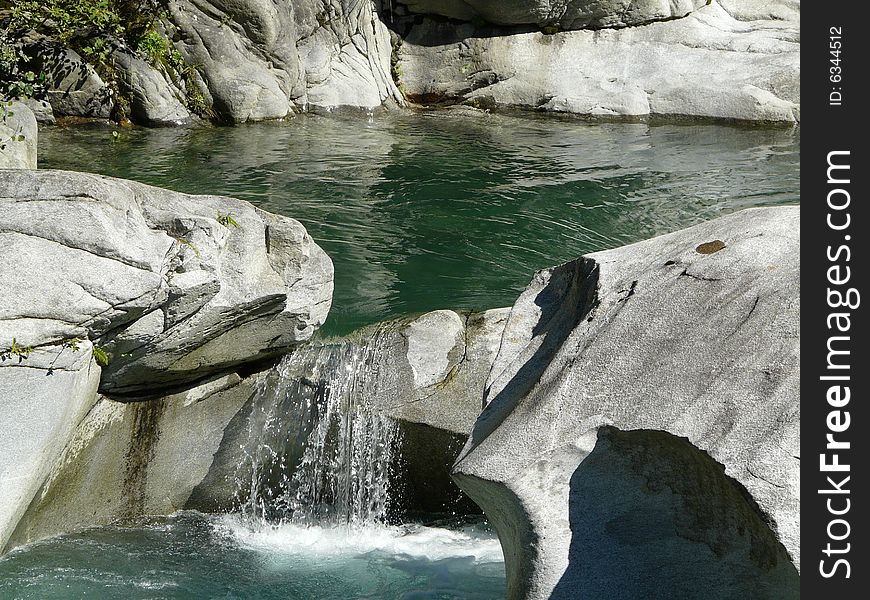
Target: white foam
{"x":346,"y":541}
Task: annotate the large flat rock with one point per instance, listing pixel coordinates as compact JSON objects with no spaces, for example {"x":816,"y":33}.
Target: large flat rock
{"x":172,"y":287}
{"x":710,"y":64}
{"x":641,"y":431}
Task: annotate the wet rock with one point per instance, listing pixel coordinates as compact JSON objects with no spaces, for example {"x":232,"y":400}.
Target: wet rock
{"x":127,"y":460}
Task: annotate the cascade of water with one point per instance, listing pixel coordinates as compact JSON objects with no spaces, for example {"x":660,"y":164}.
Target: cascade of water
{"x":315,"y":454}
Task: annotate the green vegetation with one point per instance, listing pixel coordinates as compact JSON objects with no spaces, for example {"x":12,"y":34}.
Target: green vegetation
{"x":22,"y":352}
{"x":227,"y":220}
{"x":100,"y":356}
{"x":72,"y":344}
{"x":87,"y":26}
{"x":94,"y":29}
{"x":16,"y":78}
{"x":153,"y":46}
{"x":16,"y":136}
{"x":189,"y":244}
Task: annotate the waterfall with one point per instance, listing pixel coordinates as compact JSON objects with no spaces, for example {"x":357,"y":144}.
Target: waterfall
{"x":314,"y":453}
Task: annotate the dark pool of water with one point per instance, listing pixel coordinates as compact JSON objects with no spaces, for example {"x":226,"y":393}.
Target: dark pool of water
{"x":421,"y":211}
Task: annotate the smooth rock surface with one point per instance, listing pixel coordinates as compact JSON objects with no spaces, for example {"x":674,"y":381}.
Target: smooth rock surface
{"x":41,"y":110}
{"x":17,"y":121}
{"x":171,"y":294}
{"x":257,"y":59}
{"x":708,"y":64}
{"x":126,"y":460}
{"x":43,"y":397}
{"x":762,"y":10}
{"x":432,"y":369}
{"x":154,"y":101}
{"x":435,"y":414}
{"x":641,"y":431}
{"x":565,"y":14}
{"x":74,"y":87}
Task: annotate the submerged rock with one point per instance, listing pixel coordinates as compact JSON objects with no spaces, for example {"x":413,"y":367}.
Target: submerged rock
{"x":170,"y":287}
{"x":641,"y":431}
{"x":708,"y":64}
{"x":18,"y":136}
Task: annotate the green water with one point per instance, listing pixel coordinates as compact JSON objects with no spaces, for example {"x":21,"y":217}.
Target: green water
{"x":418,"y":212}
{"x":194,"y":557}
{"x":443,"y":210}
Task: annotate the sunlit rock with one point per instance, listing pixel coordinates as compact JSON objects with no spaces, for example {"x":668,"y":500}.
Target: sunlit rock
{"x":641,"y":430}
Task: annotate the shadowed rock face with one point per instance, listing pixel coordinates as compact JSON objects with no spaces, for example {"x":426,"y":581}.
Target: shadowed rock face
{"x":126,"y":460}
{"x":164,"y":283}
{"x":566,"y":14}
{"x":693,"y":338}
{"x":673,"y":525}
{"x":74,"y":87}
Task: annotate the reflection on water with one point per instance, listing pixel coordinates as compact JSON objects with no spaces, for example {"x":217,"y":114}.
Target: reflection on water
{"x":431,"y":210}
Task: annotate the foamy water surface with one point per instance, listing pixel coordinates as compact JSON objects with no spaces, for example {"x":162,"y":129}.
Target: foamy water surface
{"x":193,"y":556}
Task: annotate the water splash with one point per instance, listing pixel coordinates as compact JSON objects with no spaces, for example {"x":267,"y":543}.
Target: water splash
{"x":315,"y":453}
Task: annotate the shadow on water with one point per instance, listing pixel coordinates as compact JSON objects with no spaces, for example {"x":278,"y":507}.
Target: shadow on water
{"x":653,"y":517}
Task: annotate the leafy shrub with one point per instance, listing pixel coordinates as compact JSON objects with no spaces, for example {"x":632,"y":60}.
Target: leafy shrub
{"x":91,"y":28}
{"x":87,"y":26}
{"x":153,"y":47}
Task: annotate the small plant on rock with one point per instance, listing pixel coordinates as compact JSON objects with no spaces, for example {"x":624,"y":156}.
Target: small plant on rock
{"x":227,"y":220}
{"x":22,"y":352}
{"x":101,"y":357}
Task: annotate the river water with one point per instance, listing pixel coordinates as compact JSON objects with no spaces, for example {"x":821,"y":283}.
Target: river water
{"x":422,"y":211}
{"x":418,"y":211}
